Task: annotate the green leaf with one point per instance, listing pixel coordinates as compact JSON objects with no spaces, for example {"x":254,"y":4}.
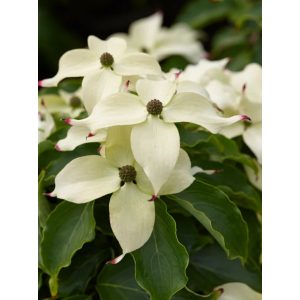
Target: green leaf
{"x":44,"y":207}
{"x":202,"y":13}
{"x":187,"y":294}
{"x":220,"y":216}
{"x":216,"y":146}
{"x":234,"y":183}
{"x":161,"y":263}
{"x":118,"y":282}
{"x":254,"y":246}
{"x":67,"y":228}
{"x":191,"y":238}
{"x":78,"y":297}
{"x":210,"y":267}
{"x":85,"y":263}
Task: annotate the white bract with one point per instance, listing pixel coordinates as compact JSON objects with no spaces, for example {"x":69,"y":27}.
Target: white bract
{"x":102,"y":65}
{"x":79,"y":135}
{"x":238,"y":291}
{"x":233,"y":93}
{"x":46,"y":124}
{"x":132,"y":215}
{"x":66,"y":104}
{"x":149,"y":36}
{"x":154,"y":110}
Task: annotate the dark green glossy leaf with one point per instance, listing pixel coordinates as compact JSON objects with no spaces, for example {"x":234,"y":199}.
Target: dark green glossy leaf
{"x":220,"y":216}
{"x":210,"y":267}
{"x":191,"y":238}
{"x":44,"y":206}
{"x":255,"y":240}
{"x":161,"y":263}
{"x":67,"y":228}
{"x":187,"y":294}
{"x":234,"y":183}
{"x":118,"y":282}
{"x":78,"y":297}
{"x":85,"y":263}
{"x":216,"y":146}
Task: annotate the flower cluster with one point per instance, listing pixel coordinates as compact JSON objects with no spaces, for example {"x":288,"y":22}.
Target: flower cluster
{"x":132,"y":109}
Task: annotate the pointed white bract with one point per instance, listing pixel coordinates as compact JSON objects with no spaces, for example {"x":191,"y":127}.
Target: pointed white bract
{"x":148,"y":35}
{"x":238,"y":291}
{"x":79,"y":135}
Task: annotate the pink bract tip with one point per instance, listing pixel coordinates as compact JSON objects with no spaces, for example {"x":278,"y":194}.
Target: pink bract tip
{"x":91,"y":135}
{"x":245,"y":118}
{"x":57,"y":147}
{"x":48,"y":194}
{"x":153,"y":198}
{"x":221,"y":290}
{"x":115,"y":260}
{"x":68,"y":121}
{"x":40,"y":83}
{"x":177,"y":74}
{"x":127,"y":83}
{"x":207,"y":55}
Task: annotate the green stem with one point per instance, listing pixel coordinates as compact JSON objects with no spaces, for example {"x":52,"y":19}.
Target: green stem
{"x":53,"y":285}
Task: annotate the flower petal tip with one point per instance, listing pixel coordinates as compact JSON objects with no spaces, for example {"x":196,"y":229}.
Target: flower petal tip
{"x":153,"y":198}
{"x":57,"y":148}
{"x":177,"y":74}
{"x":115,"y":260}
{"x":40,"y":83}
{"x":49,"y":194}
{"x":68,"y":121}
{"x":245,"y":118}
{"x":90,"y":135}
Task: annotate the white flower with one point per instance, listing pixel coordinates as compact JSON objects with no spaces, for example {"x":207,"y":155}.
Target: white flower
{"x":46,"y":123}
{"x":155,"y":138}
{"x":148,"y":35}
{"x":238,"y":291}
{"x":66,"y":104}
{"x":233,"y":93}
{"x":132,"y":215}
{"x":102,"y":65}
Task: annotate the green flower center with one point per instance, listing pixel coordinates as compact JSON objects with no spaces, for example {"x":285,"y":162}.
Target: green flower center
{"x":75,"y":102}
{"x":106,"y":60}
{"x":154,"y":107}
{"x":127,"y":173}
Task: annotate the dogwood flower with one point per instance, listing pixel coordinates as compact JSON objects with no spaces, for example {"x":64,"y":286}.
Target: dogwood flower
{"x":238,"y":291}
{"x":203,"y":72}
{"x":102,"y":65}
{"x":154,"y":110}
{"x":240,"y":92}
{"x":64,"y":103}
{"x":132,"y":215}
{"x":46,"y":124}
{"x":148,"y":35}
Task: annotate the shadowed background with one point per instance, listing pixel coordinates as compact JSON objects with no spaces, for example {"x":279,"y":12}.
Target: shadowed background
{"x":227,"y":28}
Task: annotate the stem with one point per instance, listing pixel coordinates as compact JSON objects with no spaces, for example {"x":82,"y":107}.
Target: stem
{"x":53,"y":285}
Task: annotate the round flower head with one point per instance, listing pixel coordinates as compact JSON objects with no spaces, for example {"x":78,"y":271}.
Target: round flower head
{"x":132,"y":215}
{"x":102,"y":65}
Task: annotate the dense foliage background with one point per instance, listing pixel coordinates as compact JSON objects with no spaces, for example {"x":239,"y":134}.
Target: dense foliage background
{"x":230,"y":28}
